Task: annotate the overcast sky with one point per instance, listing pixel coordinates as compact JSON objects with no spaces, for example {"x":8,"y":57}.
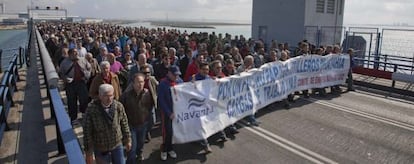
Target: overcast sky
{"x":356,"y":11}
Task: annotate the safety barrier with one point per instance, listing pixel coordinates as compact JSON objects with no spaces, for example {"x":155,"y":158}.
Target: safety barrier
{"x":67,"y":141}
{"x":391,"y":71}
{"x":7,"y":89}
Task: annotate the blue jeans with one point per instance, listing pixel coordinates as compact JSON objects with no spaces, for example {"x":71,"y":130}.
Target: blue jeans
{"x":116,"y":156}
{"x":138,"y":138}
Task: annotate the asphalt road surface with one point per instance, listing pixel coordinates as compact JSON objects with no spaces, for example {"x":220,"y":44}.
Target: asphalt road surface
{"x":353,"y":127}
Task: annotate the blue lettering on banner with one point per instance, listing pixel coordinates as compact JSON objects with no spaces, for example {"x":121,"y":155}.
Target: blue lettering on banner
{"x":285,"y":70}
{"x":309,"y":65}
{"x":232,"y":88}
{"x":257,"y":94}
{"x":240,"y":105}
{"x":336,"y":62}
{"x":193,"y":114}
{"x":280,"y":89}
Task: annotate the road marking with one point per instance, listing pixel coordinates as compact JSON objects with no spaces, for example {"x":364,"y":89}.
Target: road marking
{"x":288,"y":145}
{"x":364,"y":114}
{"x":393,"y":100}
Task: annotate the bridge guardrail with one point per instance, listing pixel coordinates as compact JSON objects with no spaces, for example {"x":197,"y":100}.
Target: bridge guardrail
{"x":67,"y":141}
{"x":392,"y":73}
{"x":7,"y":89}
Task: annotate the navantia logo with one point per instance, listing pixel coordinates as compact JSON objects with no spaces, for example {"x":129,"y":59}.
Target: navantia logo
{"x":196,"y":108}
{"x":194,"y":102}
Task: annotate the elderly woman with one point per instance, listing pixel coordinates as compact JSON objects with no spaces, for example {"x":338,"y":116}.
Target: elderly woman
{"x":105,"y":77}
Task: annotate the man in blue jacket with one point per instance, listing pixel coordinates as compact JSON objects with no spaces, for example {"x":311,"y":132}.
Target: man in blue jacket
{"x":165,"y":103}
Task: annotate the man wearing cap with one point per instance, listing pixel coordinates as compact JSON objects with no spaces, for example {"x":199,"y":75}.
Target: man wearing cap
{"x":167,"y":114}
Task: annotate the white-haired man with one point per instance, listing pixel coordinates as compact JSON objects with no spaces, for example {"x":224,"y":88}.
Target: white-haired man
{"x":106,"y":129}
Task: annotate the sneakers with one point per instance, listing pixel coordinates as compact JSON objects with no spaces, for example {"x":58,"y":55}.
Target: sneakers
{"x":223,"y":139}
{"x":140,"y":157}
{"x":350,"y":89}
{"x":171,"y":153}
{"x":75,"y":122}
{"x":163,"y":156}
{"x":287,"y":105}
{"x":253,"y":123}
{"x":233,"y":130}
{"x":207,"y":149}
{"x":147,"y":138}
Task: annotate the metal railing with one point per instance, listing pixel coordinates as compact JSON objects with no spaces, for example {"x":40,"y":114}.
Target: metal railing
{"x":7,"y":89}
{"x":67,"y":141}
{"x":388,"y":67}
{"x":8,"y":55}
{"x":390,"y":63}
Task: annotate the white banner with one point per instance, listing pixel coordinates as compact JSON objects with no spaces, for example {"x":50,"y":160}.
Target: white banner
{"x":205,"y":107}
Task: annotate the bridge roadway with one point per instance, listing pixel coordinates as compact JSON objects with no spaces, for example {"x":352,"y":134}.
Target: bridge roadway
{"x":353,"y":127}
{"x":366,"y":126}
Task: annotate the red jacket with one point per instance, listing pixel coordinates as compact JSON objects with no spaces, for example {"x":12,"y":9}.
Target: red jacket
{"x":191,"y":70}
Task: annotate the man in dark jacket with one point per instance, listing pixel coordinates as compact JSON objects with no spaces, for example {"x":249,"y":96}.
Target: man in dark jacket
{"x":165,"y":103}
{"x":137,"y":103}
{"x":75,"y":72}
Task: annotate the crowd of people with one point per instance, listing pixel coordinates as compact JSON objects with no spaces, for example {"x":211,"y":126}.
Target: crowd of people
{"x":119,"y":78}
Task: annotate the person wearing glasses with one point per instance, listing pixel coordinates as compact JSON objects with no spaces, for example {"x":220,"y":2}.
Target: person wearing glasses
{"x":151,"y":84}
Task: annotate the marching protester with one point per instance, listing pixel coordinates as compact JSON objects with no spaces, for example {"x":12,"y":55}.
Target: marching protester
{"x":116,"y":66}
{"x":290,"y":98}
{"x":203,"y":73}
{"x":217,"y":72}
{"x":321,"y":91}
{"x":95,"y":68}
{"x":105,"y":77}
{"x":194,"y":66}
{"x":304,"y":51}
{"x":230,"y":68}
{"x":336,"y":51}
{"x":350,"y":82}
{"x":151,"y":84}
{"x":161,"y":69}
{"x":106,"y":131}
{"x":75,"y":73}
{"x":248,"y":63}
{"x":145,"y":48}
{"x":167,"y":114}
{"x":137,"y":103}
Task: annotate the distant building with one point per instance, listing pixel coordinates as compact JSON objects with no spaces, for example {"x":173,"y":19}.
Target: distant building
{"x":74,"y":19}
{"x":92,"y":20}
{"x":16,"y":21}
{"x":24,"y":15}
{"x":294,"y":20}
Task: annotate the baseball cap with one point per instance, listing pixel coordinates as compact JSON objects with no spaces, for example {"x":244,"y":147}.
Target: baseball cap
{"x":174,"y":69}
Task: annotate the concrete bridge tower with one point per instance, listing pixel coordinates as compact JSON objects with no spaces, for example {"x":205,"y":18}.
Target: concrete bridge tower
{"x":289,"y":20}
